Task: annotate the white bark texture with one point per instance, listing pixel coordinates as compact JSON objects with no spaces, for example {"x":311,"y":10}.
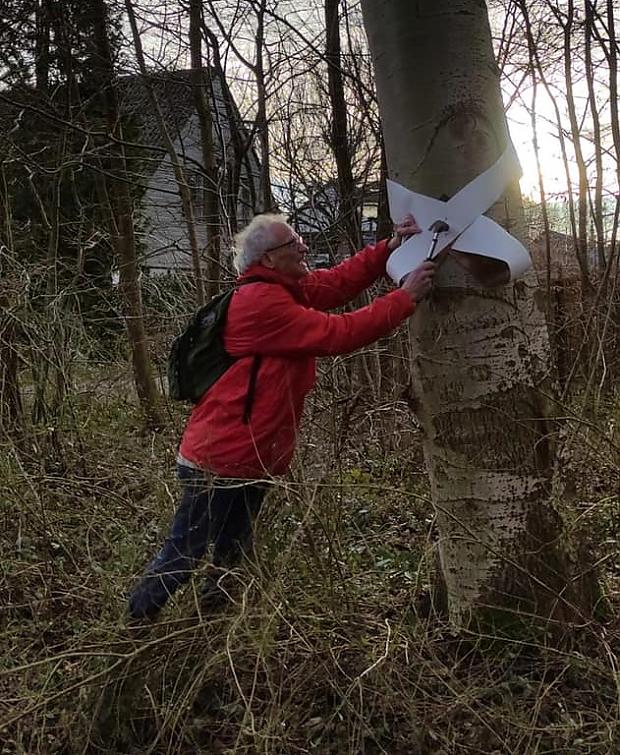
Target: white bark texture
{"x":480,"y":353}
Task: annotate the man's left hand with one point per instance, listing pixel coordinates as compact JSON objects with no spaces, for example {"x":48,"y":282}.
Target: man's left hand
{"x":402,"y":231}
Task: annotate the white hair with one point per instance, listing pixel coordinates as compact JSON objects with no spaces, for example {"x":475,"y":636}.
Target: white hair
{"x":252,"y":242}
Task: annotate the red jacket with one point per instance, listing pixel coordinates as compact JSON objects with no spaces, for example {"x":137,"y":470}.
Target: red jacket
{"x":287,"y":325}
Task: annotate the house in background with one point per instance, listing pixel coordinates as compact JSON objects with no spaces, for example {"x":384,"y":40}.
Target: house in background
{"x":162,"y":230}
{"x":38,"y":129}
{"x":318,"y":221}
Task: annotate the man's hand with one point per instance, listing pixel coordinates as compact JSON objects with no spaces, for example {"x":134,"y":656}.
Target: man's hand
{"x":402,"y":231}
{"x":418,"y":283}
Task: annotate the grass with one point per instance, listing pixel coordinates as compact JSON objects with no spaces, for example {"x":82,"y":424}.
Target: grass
{"x":322,"y":648}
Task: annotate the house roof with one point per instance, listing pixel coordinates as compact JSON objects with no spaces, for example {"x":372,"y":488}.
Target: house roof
{"x":174,"y":91}
{"x":174,"y":94}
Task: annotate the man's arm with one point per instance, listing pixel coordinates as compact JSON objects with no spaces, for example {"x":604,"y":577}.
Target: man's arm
{"x":327,"y":289}
{"x":274,"y":324}
{"x":282,"y":327}
{"x":335,"y":286}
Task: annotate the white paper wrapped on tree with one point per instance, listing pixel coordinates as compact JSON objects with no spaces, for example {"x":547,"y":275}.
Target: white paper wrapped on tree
{"x":469,"y":230}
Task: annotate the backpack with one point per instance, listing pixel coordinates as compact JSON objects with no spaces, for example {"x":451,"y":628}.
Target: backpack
{"x":198,"y":358}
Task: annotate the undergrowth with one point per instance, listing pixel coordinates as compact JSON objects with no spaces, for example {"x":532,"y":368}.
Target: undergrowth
{"x":327,"y":643}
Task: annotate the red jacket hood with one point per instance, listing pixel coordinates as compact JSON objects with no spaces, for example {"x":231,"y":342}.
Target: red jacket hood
{"x":294,"y":285}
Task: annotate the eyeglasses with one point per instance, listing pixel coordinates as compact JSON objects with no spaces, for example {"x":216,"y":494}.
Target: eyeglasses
{"x":297,"y":240}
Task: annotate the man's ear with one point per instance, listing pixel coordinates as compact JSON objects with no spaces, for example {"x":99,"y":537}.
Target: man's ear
{"x":266,"y":261}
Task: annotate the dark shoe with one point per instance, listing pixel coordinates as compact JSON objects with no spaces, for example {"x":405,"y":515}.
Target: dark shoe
{"x":140,"y":613}
{"x":137,"y":629}
{"x":215,"y":591}
{"x":147,"y":598}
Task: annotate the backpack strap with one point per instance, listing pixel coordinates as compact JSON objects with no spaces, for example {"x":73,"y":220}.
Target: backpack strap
{"x":256,"y":362}
{"x":249,"y":398}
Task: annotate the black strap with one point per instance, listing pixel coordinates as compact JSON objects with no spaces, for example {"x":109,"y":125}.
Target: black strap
{"x":249,"y":399}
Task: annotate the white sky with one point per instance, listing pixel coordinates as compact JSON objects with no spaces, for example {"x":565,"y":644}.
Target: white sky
{"x":549,"y":154}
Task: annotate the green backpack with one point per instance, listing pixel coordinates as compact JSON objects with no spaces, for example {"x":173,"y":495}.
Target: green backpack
{"x":198,"y":358}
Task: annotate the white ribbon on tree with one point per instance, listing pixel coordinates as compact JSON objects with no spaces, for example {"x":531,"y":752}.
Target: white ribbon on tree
{"x":469,"y":230}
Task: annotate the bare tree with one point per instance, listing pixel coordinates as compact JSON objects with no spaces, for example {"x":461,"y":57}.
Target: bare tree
{"x":339,"y":132}
{"x":11,"y":412}
{"x":201,"y":78}
{"x":567,"y":21}
{"x":121,"y":225}
{"x":241,"y":141}
{"x":261,"y":76}
{"x":597,"y":140}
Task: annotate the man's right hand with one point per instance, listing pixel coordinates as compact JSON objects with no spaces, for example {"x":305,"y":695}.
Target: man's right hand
{"x":418,"y":283}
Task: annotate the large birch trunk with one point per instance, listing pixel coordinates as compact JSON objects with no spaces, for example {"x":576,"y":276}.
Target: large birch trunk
{"x":480,"y":353}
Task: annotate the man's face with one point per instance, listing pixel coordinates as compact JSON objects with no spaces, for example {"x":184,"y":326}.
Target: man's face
{"x":287,"y":255}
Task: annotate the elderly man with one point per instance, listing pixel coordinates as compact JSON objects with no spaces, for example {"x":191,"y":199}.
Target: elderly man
{"x":278,"y":315}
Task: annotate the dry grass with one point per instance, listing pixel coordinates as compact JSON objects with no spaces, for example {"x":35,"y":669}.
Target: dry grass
{"x":321,"y":649}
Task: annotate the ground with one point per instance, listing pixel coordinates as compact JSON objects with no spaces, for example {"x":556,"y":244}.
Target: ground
{"x":327,"y":642}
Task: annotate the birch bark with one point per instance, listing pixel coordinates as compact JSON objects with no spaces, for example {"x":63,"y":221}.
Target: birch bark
{"x":480,"y":354}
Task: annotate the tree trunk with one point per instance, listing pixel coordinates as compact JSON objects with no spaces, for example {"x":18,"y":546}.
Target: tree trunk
{"x":261,"y":198}
{"x":201,"y":83}
{"x":42,"y":47}
{"x":339,"y":135}
{"x":239,"y":148}
{"x":10,"y":397}
{"x":610,"y":48}
{"x":597,"y":142}
{"x":11,"y":410}
{"x":551,"y":299}
{"x":121,"y":227}
{"x":384,"y":221}
{"x":480,"y":354}
{"x":262,"y":124}
{"x":581,"y":242}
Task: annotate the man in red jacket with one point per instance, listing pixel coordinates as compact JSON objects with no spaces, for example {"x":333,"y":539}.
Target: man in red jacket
{"x":276,"y":326}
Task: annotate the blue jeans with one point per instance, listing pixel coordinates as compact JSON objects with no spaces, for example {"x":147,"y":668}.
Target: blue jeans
{"x":222,"y":514}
